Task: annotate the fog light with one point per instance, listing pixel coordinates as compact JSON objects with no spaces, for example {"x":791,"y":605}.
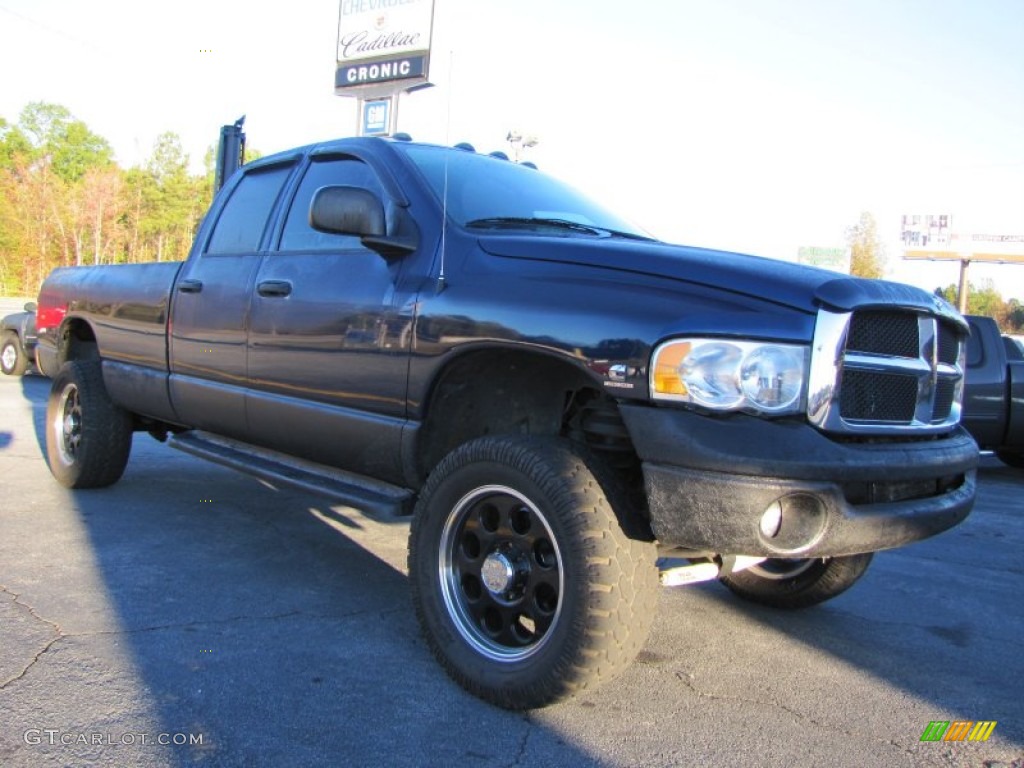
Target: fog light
{"x":771,"y":520}
{"x":793,"y":523}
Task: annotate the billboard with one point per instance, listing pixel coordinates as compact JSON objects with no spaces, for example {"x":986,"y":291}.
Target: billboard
{"x":925,"y":230}
{"x":1000,"y":249}
{"x":382,"y":42}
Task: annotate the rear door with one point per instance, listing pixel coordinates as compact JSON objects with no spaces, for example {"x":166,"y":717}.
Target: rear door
{"x":329,"y":336}
{"x":211,"y":303}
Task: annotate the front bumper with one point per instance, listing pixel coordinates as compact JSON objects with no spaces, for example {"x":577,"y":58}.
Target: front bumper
{"x":710,"y":481}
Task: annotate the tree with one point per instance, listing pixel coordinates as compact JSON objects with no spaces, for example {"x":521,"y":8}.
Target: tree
{"x":163,"y":203}
{"x":97,"y":200}
{"x":14,"y":145}
{"x":49,"y":164}
{"x":1014,"y":317}
{"x":867,"y":257}
{"x":14,"y":159}
{"x":988,"y":302}
{"x":63,"y":142}
{"x":63,"y":201}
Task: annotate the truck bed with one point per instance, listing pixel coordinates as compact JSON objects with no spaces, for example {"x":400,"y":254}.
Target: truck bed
{"x":126,"y":304}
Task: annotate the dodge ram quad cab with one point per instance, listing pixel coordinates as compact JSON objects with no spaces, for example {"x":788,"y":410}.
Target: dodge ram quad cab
{"x":570,"y":410}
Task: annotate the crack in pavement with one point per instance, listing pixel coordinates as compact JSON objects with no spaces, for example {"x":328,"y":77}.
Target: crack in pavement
{"x":60,"y":635}
{"x":523,"y":742}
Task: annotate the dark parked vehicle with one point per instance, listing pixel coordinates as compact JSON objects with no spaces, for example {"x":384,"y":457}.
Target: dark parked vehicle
{"x":18,"y":340}
{"x":994,"y":391}
{"x":552,"y":393}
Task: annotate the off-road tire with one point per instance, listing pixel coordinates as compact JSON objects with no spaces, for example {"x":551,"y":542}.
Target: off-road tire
{"x":798,"y":583}
{"x":88,"y":437}
{"x":13,"y":360}
{"x":525,"y":582}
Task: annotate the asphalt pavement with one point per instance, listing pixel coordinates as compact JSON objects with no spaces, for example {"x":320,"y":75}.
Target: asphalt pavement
{"x":191,"y":616}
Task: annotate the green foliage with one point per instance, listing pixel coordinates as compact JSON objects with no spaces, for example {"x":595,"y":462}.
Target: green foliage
{"x":64,"y":143}
{"x":63,"y":200}
{"x":13,"y":144}
{"x":988,"y":302}
{"x":867,"y":257}
{"x":1014,"y":314}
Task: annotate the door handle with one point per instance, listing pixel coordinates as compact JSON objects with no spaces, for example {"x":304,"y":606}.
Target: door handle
{"x":190,"y":286}
{"x":274,"y":288}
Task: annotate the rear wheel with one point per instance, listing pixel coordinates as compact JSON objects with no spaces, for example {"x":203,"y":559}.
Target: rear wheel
{"x":88,"y":437}
{"x":525,"y":583}
{"x":798,"y":583}
{"x":13,"y":360}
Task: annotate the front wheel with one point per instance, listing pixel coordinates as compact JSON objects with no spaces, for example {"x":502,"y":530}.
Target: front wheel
{"x":88,"y":437}
{"x":525,"y":583}
{"x":13,"y":360}
{"x":798,"y":583}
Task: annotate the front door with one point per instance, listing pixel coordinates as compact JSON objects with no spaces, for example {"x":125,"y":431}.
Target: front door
{"x":329,"y":337}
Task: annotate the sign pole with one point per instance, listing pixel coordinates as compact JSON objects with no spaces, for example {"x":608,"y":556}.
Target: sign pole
{"x":965,"y":248}
{"x":962,"y":290}
{"x":393,"y":122}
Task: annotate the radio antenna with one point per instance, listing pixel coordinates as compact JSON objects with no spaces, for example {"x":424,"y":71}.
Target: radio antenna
{"x":441,"y":283}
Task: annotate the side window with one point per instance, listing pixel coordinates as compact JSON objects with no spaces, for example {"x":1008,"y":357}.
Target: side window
{"x":298,"y":235}
{"x":240,"y":226}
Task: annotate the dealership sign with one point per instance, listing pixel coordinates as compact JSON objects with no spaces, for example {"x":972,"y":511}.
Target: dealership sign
{"x":383,"y":41}
{"x":376,"y":117}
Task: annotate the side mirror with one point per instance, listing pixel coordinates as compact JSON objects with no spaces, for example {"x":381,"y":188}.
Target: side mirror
{"x":30,"y":306}
{"x":352,"y":211}
{"x":347,"y":211}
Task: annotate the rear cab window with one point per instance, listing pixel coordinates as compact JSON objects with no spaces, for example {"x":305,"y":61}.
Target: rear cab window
{"x":244,"y":218}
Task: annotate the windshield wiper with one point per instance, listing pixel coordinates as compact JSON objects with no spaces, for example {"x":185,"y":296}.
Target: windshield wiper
{"x":513,"y":222}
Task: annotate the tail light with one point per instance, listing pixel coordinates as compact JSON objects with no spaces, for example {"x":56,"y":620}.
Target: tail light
{"x":48,"y":316}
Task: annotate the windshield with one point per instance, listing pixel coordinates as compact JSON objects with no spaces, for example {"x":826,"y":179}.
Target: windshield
{"x":485,"y":191}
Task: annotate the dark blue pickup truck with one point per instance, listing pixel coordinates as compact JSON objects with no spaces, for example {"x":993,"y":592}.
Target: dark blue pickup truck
{"x":552,"y":394}
{"x":993,"y":407}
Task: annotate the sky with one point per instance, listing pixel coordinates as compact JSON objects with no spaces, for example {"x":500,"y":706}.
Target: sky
{"x":760,"y":126}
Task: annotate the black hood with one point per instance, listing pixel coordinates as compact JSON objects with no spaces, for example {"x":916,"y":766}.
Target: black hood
{"x":792,"y":285}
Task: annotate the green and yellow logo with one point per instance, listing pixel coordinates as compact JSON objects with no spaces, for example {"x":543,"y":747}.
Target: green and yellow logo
{"x":958,"y":730}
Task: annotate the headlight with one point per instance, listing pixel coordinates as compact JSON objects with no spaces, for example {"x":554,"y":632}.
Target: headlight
{"x":726,"y":375}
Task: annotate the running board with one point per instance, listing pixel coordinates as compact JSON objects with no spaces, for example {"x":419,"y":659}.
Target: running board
{"x":376,"y":498}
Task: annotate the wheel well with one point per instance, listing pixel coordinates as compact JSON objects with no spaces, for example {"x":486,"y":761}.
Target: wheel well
{"x":496,"y":392}
{"x":77,"y":342}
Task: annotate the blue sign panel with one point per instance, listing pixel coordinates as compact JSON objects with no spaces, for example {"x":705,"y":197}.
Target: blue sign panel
{"x":405,"y":68}
{"x":376,"y":117}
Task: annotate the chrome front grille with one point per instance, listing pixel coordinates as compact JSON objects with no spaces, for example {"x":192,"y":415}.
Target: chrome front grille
{"x":885,"y":372}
